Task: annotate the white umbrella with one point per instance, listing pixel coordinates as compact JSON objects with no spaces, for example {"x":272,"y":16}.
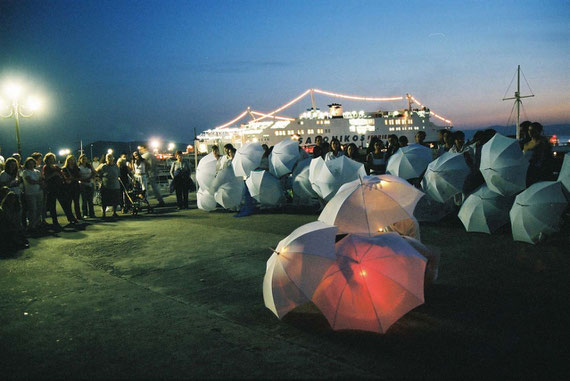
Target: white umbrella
{"x":363,"y":207}
{"x":265,"y":188}
{"x":303,"y":192}
{"x":537,"y":211}
{"x":205,"y":200}
{"x":503,"y":165}
{"x":485,"y":211}
{"x":409,"y":162}
{"x":299,"y":260}
{"x":280,"y":294}
{"x":444,"y":176}
{"x":206,"y":172}
{"x":328,"y":176}
{"x":229,"y":189}
{"x":283,"y":157}
{"x":372,"y":284}
{"x":564,"y":175}
{"x":402,"y":191}
{"x":247,"y":158}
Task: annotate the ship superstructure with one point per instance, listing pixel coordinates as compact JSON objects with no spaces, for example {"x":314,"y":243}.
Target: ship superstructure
{"x":347,"y":126}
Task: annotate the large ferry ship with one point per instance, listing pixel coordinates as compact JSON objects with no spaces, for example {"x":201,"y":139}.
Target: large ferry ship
{"x":347,"y":126}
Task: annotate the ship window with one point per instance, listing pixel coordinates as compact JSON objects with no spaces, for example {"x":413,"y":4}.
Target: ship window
{"x":327,"y":122}
{"x":386,"y":122}
{"x":398,"y":129}
{"x":410,"y":121}
{"x":397,"y":121}
{"x":276,"y":133}
{"x":391,"y":129}
{"x":301,"y":122}
{"x":392,"y":122}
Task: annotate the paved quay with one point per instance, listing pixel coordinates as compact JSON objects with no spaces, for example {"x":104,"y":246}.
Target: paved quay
{"x":178,"y":295}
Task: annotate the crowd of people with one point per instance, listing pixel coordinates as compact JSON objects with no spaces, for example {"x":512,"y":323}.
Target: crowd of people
{"x":31,"y":189}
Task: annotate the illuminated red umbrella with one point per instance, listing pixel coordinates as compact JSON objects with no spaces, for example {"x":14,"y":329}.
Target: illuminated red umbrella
{"x":373,"y":283}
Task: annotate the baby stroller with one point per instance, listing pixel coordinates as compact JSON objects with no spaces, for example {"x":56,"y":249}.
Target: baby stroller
{"x":135,"y":197}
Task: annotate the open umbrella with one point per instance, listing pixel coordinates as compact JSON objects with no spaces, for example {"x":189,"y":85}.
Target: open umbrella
{"x":400,"y":190}
{"x":444,"y":176}
{"x":300,"y":258}
{"x":303,"y":192}
{"x":229,"y":189}
{"x":364,"y":207}
{"x":372,"y":284}
{"x":409,"y":162}
{"x":503,"y":165}
{"x":265,"y":188}
{"x":280,"y":294}
{"x":206,"y":172}
{"x":485,"y":211}
{"x":564,"y":175}
{"x":328,"y":176}
{"x":205,"y":200}
{"x":537,"y":211}
{"x":247,"y":158}
{"x":283,"y":157}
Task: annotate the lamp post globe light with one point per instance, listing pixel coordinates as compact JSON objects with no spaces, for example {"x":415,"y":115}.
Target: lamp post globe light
{"x":11,"y":106}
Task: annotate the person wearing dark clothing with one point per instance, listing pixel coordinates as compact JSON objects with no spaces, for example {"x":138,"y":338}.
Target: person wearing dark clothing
{"x":55,"y":191}
{"x":539,"y":151}
{"x":375,"y":164}
{"x":71,"y":178}
{"x":473,"y":159}
{"x":393,"y":146}
{"x":524,"y":137}
{"x":180,"y":173}
{"x":403,"y":141}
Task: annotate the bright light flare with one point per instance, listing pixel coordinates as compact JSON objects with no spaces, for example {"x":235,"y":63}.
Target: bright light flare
{"x":64,"y":152}
{"x":171,"y":146}
{"x":33,"y":104}
{"x":154,"y":143}
{"x":13,"y":90}
{"x":109,"y":151}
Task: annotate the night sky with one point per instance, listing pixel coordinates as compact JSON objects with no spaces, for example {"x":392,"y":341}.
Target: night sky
{"x":131,"y":70}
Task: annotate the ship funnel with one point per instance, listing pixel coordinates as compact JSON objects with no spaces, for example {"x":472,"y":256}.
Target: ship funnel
{"x":335,"y":110}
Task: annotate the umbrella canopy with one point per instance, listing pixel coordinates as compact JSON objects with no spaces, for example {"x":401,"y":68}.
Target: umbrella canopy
{"x":229,"y":189}
{"x":297,"y":266}
{"x":280,"y":294}
{"x":564,"y":175}
{"x":303,"y":192}
{"x":364,"y":207}
{"x":372,"y":284}
{"x":206,"y":172}
{"x":445,"y":176}
{"x":283,"y":157}
{"x":503,"y":165}
{"x":205,"y":200}
{"x":328,"y":176}
{"x":485,"y":211}
{"x":400,"y":190}
{"x":409,"y":162}
{"x":247,"y":158}
{"x":265,"y":188}
{"x":537,"y":211}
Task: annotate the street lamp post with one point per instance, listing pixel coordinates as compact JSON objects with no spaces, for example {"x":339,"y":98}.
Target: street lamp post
{"x":16,"y":110}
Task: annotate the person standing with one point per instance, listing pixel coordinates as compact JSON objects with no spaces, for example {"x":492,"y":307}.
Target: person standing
{"x":71,"y":178}
{"x":375,"y":159}
{"x":55,"y":192}
{"x":539,"y":153}
{"x":86,"y":186}
{"x":139,"y":166}
{"x":393,"y":147}
{"x":152,"y":171}
{"x":110,"y":186}
{"x":33,"y":194}
{"x":180,"y":173}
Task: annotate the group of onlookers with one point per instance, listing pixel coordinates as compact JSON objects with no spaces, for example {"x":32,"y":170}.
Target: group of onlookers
{"x":30,"y":190}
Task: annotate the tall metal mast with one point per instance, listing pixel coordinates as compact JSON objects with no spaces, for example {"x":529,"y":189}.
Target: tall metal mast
{"x":518,"y":102}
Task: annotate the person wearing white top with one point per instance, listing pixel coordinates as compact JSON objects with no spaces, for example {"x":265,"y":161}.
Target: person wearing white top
{"x":32,"y":193}
{"x":139,"y":166}
{"x":151,"y":166}
{"x":335,"y":151}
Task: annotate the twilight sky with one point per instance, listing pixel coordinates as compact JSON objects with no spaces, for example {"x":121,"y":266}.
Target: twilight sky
{"x":129,"y":70}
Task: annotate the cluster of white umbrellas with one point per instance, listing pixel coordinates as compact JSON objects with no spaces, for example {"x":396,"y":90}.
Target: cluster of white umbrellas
{"x":358,"y":274}
{"x":311,"y":179}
